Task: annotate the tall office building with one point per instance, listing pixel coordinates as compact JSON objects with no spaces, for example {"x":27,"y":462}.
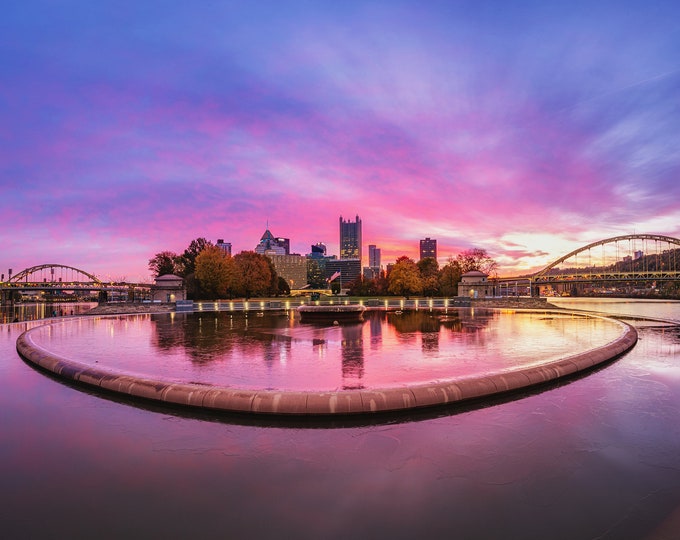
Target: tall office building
{"x":284,"y":243}
{"x":350,"y":239}
{"x":372,"y":271}
{"x":373,"y":256}
{"x":292,"y":268}
{"x":428,"y":248}
{"x":269,"y":245}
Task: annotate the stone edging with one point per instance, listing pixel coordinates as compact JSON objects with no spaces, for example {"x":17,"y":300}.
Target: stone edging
{"x":340,"y":402}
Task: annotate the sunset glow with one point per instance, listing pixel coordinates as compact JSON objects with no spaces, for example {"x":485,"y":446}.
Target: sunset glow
{"x":527,"y":129}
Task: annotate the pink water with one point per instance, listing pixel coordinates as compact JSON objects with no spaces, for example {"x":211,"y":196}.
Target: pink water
{"x":278,"y":352}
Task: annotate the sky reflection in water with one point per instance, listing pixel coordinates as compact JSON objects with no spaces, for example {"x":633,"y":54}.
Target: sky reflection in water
{"x":277,"y":351}
{"x":594,"y":458}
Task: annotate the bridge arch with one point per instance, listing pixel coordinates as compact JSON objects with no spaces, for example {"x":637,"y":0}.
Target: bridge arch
{"x":24,"y":274}
{"x":613,"y":240}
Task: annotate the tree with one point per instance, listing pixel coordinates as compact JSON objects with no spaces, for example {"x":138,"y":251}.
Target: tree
{"x":404,"y":279}
{"x":449,"y":277}
{"x":315,"y":276}
{"x":216,"y":273}
{"x":360,"y":287}
{"x":274,"y":279}
{"x":476,"y":259}
{"x":429,"y":273}
{"x":283,"y":287}
{"x":165,"y":262}
{"x":187,"y":261}
{"x":256,"y":277}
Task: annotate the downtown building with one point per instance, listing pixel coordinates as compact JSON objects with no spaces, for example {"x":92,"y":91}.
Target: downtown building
{"x":350,"y":239}
{"x":291,"y":267}
{"x":372,"y":271}
{"x":428,"y":249}
{"x":348,"y":267}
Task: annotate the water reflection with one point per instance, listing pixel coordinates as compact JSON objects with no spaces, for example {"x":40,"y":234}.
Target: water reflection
{"x":603,"y":447}
{"x":278,"y":352}
{"x":19,"y":312}
{"x":210,"y":337}
{"x":352,"y":356}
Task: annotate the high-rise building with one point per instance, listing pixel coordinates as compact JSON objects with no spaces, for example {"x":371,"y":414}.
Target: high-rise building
{"x":373,"y":256}
{"x":269,"y":245}
{"x":224,"y":246}
{"x":428,"y":248}
{"x":318,"y":250}
{"x":350,"y":239}
{"x":284,"y":243}
{"x":292,"y":268}
{"x":346,"y":270}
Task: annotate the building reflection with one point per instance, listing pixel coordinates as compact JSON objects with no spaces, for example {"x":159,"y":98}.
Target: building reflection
{"x":204,"y":337}
{"x":208,"y":338}
{"x":352,"y":353}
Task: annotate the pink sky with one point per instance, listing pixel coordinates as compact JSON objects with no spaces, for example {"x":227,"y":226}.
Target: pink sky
{"x":527,"y":131}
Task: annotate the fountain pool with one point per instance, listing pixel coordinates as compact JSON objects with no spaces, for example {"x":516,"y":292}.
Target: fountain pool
{"x":274,"y":363}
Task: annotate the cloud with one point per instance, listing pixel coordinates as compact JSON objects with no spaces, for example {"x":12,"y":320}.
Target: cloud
{"x":523,"y":130}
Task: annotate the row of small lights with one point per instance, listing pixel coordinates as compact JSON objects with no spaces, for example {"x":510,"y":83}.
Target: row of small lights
{"x":254,"y":305}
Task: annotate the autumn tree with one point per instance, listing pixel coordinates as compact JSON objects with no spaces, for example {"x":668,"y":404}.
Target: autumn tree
{"x":360,"y":287}
{"x":449,"y":277}
{"x":255,"y":273}
{"x":216,"y":273}
{"x":315,"y":276}
{"x":429,"y":273}
{"x":274,"y":279}
{"x":404,"y":279}
{"x":165,"y":262}
{"x":476,"y":259}
{"x":187,"y":260}
{"x":283,"y":287}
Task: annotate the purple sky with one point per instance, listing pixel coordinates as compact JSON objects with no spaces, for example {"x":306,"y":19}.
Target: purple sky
{"x":525,"y":128}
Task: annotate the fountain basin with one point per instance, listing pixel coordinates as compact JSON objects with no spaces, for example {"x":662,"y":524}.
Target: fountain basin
{"x":390,"y":388}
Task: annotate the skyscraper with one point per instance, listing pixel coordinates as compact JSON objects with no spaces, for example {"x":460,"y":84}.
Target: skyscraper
{"x":269,"y":245}
{"x":428,"y":248}
{"x":373,"y":256}
{"x":350,"y":239}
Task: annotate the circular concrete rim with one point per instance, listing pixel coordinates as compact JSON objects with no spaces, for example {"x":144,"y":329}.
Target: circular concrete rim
{"x":340,"y":402}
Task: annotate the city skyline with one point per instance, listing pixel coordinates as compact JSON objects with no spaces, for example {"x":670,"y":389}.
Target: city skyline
{"x":526,"y":129}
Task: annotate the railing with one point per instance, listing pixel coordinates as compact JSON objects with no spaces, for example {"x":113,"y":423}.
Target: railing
{"x":607,"y":277}
{"x":288,"y":304}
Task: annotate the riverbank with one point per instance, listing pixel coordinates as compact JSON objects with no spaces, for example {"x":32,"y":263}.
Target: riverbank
{"x":516,"y":302}
{"x":129,"y":309}
{"x":500,"y":303}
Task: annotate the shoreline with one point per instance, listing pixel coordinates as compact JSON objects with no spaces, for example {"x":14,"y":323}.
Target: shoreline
{"x":499,"y":303}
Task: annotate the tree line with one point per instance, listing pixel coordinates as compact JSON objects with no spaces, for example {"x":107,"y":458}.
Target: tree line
{"x":425,"y":277}
{"x":210,"y":273}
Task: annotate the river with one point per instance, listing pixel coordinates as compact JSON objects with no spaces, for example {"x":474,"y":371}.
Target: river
{"x":595,"y":457}
{"x":31,"y":311}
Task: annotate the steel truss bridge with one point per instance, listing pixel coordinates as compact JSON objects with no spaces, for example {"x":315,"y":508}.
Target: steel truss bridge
{"x":59,"y":278}
{"x":627,"y":260}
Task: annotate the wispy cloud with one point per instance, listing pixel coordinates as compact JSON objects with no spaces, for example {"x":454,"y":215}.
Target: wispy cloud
{"x":522,"y":129}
